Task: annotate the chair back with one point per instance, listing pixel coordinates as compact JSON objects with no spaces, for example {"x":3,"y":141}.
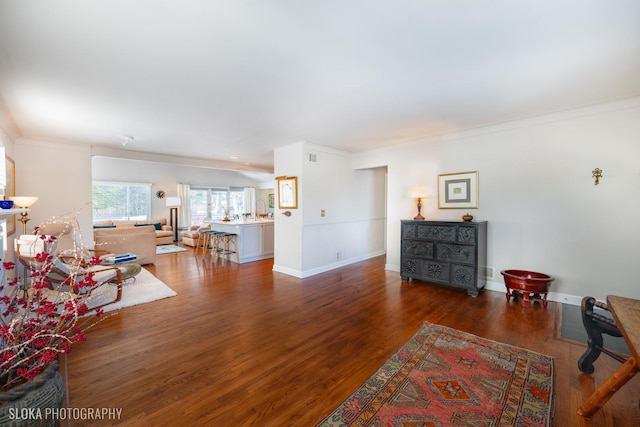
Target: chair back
{"x":27,"y":246}
{"x":63,"y":231}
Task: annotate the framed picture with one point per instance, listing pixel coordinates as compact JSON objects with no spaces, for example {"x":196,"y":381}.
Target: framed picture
{"x":272,"y":200}
{"x":10,"y":191}
{"x":287,"y":192}
{"x":458,"y":190}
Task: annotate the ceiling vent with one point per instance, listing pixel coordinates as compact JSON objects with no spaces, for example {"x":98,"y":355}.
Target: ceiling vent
{"x":311,"y":158}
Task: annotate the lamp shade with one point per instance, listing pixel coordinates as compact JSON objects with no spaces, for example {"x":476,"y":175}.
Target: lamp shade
{"x":173,"y":201}
{"x":23,"y":201}
{"x":419,"y":192}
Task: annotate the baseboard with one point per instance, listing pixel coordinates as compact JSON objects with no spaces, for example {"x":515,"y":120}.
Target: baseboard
{"x":392,"y":267}
{"x":490,"y":285}
{"x":288,"y":271}
{"x":499,"y":287}
{"x":308,"y":273}
{"x":551,"y":296}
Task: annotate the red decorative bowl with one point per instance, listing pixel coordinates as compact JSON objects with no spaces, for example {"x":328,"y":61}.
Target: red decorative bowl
{"x":527,"y":281}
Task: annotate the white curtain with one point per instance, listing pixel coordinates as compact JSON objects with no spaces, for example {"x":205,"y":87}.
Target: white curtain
{"x":249,"y":200}
{"x":184,"y":193}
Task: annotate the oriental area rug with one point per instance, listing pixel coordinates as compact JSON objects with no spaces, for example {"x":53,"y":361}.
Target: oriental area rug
{"x":443,"y":377}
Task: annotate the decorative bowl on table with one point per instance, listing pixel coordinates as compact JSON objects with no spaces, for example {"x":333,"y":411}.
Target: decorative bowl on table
{"x":529,"y":285}
{"x":528,"y":281}
{"x":6,"y":204}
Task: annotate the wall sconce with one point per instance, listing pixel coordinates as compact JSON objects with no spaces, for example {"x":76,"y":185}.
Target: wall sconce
{"x":597,"y":174}
{"x":419,"y":193}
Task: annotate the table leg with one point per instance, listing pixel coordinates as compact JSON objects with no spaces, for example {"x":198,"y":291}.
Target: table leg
{"x":619,"y":378}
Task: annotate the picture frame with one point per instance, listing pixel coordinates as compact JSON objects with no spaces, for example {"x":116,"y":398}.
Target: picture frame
{"x":10,"y":191}
{"x":272,"y":200}
{"x":458,"y":190}
{"x":287,"y":192}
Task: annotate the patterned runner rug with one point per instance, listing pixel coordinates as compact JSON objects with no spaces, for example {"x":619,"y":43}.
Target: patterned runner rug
{"x":442,"y":376}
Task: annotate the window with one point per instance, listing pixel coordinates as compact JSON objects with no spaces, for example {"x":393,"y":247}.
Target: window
{"x":121,"y":201}
{"x":210,"y":204}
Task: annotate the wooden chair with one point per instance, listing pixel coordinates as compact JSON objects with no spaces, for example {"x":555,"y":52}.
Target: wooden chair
{"x":68,"y":274}
{"x":596,"y":324}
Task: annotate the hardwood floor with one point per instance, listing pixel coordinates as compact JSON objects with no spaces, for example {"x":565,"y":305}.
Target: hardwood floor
{"x":242,"y":345}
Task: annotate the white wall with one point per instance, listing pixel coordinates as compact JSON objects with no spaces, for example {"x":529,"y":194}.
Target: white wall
{"x":60,"y":175}
{"x":164,"y":177}
{"x":288,"y":229}
{"x":353,"y":201}
{"x":536,"y":191}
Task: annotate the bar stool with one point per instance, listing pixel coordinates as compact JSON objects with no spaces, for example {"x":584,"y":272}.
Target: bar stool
{"x":202,"y":242}
{"x":228,"y":239}
{"x":214,"y":239}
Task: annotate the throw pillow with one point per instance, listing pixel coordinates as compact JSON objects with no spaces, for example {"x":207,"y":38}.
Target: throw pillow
{"x":157,"y":226}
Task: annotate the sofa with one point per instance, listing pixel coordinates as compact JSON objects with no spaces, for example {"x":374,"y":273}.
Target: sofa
{"x":163,"y":232}
{"x":140,"y":241}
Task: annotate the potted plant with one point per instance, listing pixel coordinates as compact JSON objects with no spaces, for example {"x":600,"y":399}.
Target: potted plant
{"x":44,"y":312}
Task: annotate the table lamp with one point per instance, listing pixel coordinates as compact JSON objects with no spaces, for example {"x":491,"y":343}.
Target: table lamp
{"x":419,"y":193}
{"x":24,"y":203}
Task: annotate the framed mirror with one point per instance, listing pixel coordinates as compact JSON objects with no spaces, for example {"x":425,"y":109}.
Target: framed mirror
{"x":287,"y":192}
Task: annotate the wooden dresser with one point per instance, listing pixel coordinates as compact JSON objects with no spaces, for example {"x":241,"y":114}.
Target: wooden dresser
{"x":445,"y":252}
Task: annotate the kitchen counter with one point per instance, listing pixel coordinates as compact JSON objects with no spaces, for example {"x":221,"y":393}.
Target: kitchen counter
{"x":244,"y":222}
{"x":255,"y":237}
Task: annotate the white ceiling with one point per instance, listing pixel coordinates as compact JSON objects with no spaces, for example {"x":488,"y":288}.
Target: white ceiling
{"x":215,"y":79}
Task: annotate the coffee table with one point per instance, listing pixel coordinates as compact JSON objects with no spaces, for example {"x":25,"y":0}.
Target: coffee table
{"x":129,"y":269}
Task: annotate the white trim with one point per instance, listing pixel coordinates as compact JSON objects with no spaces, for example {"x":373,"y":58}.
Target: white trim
{"x":516,"y":123}
{"x":499,"y":287}
{"x":551,"y":296}
{"x":325,"y":268}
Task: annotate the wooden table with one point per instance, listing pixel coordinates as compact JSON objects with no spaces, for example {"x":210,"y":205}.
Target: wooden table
{"x":626,"y":313}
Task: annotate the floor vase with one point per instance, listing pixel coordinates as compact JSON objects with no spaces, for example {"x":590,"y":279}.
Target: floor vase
{"x":34,"y":403}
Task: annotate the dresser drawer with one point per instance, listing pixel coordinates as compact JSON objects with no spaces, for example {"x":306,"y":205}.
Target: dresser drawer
{"x":443,"y":233}
{"x":417,"y":248}
{"x":426,"y":269}
{"x":463,"y":275}
{"x":467,"y":235}
{"x":456,"y":253}
{"x":408,"y":231}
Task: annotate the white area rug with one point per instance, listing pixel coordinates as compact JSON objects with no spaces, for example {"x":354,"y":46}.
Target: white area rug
{"x":145,"y":288}
{"x":168,"y":249}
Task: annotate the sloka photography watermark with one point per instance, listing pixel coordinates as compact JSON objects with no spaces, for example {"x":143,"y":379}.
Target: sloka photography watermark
{"x":32,"y":414}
